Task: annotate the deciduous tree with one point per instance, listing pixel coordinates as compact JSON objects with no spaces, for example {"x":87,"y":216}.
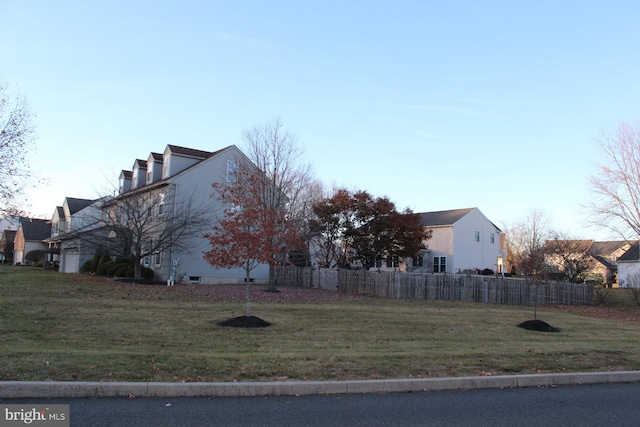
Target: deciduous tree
{"x":526,"y":243}
{"x":253,"y":229}
{"x":278,"y":155}
{"x":16,"y":137}
{"x":327,"y":227}
{"x":615,"y":183}
{"x":143,"y":224}
{"x":371,"y":227}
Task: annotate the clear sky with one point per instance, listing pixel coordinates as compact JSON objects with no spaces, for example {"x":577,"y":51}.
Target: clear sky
{"x":435,"y":104}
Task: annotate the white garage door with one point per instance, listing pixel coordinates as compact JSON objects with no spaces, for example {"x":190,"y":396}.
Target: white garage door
{"x":70,"y":261}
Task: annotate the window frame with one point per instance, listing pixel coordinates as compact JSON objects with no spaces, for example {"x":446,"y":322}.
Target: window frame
{"x":439,"y":264}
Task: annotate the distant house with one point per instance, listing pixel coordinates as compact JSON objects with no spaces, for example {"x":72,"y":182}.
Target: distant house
{"x":599,"y":257}
{"x":463,"y":240}
{"x":8,"y":229}
{"x":629,"y":267}
{"x":30,"y":237}
{"x":607,"y":255}
{"x":65,"y":242}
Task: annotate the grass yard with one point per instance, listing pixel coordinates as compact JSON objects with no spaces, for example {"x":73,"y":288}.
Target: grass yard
{"x":72,"y":327}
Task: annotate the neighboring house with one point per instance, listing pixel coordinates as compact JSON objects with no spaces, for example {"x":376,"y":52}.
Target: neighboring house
{"x":463,"y":240}
{"x":30,"y":237}
{"x":629,"y":267}
{"x":8,"y":228}
{"x":607,"y":255}
{"x":67,"y":224}
{"x":176,"y":174}
{"x":602,"y":256}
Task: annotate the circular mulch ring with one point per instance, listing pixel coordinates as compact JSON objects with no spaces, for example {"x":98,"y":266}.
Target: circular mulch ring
{"x":245,"y":322}
{"x":538,"y":325}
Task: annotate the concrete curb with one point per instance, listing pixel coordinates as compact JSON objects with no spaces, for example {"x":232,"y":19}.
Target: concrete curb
{"x":71,"y":389}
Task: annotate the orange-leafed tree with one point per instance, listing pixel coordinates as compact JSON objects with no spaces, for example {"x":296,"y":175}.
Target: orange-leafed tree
{"x":255,"y":228}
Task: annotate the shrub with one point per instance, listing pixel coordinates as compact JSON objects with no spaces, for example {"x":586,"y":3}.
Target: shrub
{"x":487,"y":272}
{"x":122,"y":271}
{"x":87,"y":267}
{"x":103,"y":265}
{"x":147,"y":273}
{"x":94,"y":262}
{"x":602,"y":295}
{"x":36,"y":256}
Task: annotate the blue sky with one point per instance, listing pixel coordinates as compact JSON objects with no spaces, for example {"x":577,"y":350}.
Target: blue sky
{"x":435,"y":104}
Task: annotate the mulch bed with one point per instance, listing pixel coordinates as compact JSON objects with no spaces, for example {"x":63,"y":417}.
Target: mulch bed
{"x":245,"y":322}
{"x":538,"y":325}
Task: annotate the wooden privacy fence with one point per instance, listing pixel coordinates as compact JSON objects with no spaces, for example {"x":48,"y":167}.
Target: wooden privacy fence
{"x":453,"y":287}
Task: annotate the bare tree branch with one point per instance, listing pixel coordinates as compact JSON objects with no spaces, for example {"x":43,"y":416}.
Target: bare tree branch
{"x":17,"y":135}
{"x":616,"y":183}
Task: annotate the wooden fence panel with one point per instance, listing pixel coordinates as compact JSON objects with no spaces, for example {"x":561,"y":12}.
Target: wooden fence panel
{"x":452,"y":287}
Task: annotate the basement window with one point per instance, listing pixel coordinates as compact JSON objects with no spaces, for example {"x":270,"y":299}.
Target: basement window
{"x":194,"y":279}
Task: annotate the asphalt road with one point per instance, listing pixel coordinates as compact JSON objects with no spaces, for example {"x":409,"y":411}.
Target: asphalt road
{"x":584,"y":405}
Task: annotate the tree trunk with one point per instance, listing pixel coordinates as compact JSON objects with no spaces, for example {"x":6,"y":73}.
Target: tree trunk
{"x":248,"y":280}
{"x":137,"y":270}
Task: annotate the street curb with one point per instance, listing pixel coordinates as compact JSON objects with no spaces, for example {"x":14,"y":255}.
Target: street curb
{"x":73,"y":389}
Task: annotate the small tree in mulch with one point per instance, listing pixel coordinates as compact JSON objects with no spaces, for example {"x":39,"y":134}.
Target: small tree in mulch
{"x":537,"y":324}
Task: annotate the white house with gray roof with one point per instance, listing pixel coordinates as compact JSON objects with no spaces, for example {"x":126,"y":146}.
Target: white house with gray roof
{"x":463,"y":240}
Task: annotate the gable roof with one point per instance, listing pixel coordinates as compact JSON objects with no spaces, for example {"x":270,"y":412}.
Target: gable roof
{"x":142,"y":164}
{"x":201,"y":155}
{"x":633,"y":254}
{"x":442,"y":218}
{"x":607,"y":248}
{"x":157,"y":157}
{"x":76,"y":205}
{"x":35,"y":229}
{"x":192,"y":152}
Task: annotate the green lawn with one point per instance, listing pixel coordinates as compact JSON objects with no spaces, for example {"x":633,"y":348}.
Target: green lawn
{"x":75,"y":327}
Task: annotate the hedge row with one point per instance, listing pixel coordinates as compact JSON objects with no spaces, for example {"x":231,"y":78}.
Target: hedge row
{"x":103,"y":265}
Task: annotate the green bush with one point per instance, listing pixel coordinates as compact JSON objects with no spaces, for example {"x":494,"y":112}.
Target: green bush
{"x":113,"y":266}
{"x":87,"y":267}
{"x":94,"y":262}
{"x":103,"y":265}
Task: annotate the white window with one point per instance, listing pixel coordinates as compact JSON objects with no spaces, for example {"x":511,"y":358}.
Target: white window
{"x":157,"y":258}
{"x":439,"y":264}
{"x":149,"y":176}
{"x":161,"y":205}
{"x":146,"y":260}
{"x":232,"y":171}
{"x":393,"y":261}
